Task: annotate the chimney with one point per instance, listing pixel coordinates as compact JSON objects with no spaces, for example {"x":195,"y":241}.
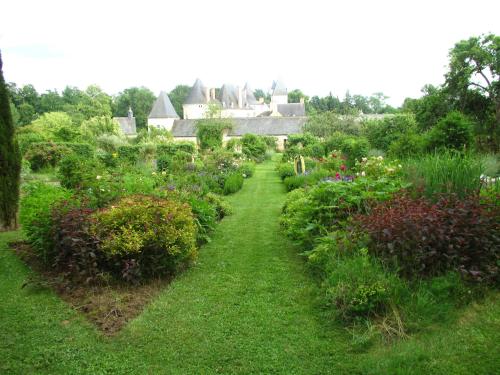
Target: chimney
{"x":207,"y":94}
{"x":301,"y":100}
{"x":240,"y":98}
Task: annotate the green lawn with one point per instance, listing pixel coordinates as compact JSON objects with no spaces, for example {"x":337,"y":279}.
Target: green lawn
{"x":246,"y":307}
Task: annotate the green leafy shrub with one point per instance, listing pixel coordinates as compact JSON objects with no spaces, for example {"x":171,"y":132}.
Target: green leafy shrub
{"x":76,"y":171}
{"x":164,"y":163}
{"x":129,"y":154}
{"x":205,"y":217}
{"x":285,"y":170}
{"x":221,"y":206}
{"x":270,"y":141}
{"x":304,"y":139}
{"x":334,"y":142}
{"x":454,"y":131}
{"x":233,"y":183}
{"x":153,"y":236}
{"x":409,"y":144}
{"x":381,"y":133}
{"x":253,"y":147}
{"x":45,"y":154}
{"x":354,"y":149}
{"x":35,"y":215}
{"x":327,"y":206}
{"x":247,"y":169}
{"x":110,"y":142}
{"x":315,"y":150}
{"x":210,"y":132}
{"x":26,"y":137}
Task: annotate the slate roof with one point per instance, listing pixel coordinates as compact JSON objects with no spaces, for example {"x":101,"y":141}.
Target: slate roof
{"x":163,"y":108}
{"x":292,"y":109}
{"x":228,"y":94}
{"x":127,"y":124}
{"x":253,"y":125}
{"x":279,"y":88}
{"x":197,"y":94}
{"x":250,"y":97}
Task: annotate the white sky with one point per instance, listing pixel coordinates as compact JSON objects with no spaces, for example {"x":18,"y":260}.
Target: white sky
{"x":317,"y":46}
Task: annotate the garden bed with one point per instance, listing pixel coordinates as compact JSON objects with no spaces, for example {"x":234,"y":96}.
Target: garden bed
{"x":108,"y":306}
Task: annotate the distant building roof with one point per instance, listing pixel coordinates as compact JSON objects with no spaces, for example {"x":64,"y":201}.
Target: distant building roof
{"x":279,"y":88}
{"x":253,"y":125}
{"x":292,"y":109}
{"x":163,"y":108}
{"x":127,"y":124}
{"x":228,"y":94}
{"x":249,"y":98}
{"x":198,"y":94}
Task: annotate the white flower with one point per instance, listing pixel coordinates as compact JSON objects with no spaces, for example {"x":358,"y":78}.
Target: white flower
{"x":380,"y":158}
{"x":153,"y":173}
{"x":163,"y":173}
{"x":364,"y":160}
{"x":244,"y":175}
{"x":400,"y":166}
{"x":363,"y":174}
{"x":98,"y":177}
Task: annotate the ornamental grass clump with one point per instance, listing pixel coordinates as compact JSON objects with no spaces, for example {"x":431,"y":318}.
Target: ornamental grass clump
{"x":447,"y":172}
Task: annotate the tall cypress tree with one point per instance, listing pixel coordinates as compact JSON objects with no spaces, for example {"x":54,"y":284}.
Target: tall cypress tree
{"x":10,"y":161}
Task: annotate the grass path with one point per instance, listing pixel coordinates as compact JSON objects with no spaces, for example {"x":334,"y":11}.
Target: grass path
{"x":247,"y":307}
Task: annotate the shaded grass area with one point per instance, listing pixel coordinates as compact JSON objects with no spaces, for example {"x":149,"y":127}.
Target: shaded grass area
{"x":246,"y":307}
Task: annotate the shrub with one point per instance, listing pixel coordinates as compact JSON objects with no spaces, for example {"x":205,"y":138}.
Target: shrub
{"x":304,"y":139}
{"x":164,"y":163}
{"x":210,"y":132}
{"x":327,"y":207}
{"x":233,"y":183}
{"x":45,"y":154}
{"x":270,"y":141}
{"x":454,"y":131}
{"x":421,"y":238}
{"x":445,"y":173}
{"x":110,"y":142}
{"x":285,"y":170}
{"x":334,"y":142}
{"x":381,"y":133}
{"x":253,"y":147}
{"x":26,"y":137}
{"x":35,"y":215}
{"x":76,"y":171}
{"x":221,"y":206}
{"x":315,"y":150}
{"x":247,"y":169}
{"x":354,"y":149}
{"x":151,"y":236}
{"x":205,"y":216}
{"x":129,"y":154}
{"x":409,"y":144}
{"x":81,"y":149}
{"x":76,"y":255}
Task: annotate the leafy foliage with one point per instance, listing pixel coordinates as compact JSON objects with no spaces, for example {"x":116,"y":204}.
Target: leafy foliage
{"x":421,"y":238}
{"x":210,"y":132}
{"x":45,"y":154}
{"x":10,"y":160}
{"x":233,"y":183}
{"x":381,"y":133}
{"x":454,"y":131}
{"x":253,"y":147}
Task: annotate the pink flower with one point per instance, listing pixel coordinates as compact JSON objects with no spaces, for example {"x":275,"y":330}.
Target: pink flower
{"x":337,"y":176}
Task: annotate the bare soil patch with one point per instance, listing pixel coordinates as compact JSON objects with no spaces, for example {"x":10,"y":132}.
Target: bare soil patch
{"x":109,"y":305}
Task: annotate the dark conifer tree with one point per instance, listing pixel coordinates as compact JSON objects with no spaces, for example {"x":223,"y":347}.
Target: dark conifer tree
{"x":10,"y":161}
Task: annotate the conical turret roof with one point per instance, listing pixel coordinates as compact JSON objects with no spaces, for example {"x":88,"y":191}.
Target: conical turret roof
{"x":163,"y":108}
{"x":197,"y":94}
{"x":279,"y":88}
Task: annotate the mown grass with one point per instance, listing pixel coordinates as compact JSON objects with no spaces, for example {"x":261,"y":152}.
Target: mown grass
{"x":247,"y":307}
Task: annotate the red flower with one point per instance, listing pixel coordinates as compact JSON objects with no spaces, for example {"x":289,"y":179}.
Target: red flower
{"x":342,"y":167}
{"x":337,"y":176}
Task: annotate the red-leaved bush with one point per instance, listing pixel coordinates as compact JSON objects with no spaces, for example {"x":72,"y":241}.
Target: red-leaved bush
{"x":421,"y":238}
